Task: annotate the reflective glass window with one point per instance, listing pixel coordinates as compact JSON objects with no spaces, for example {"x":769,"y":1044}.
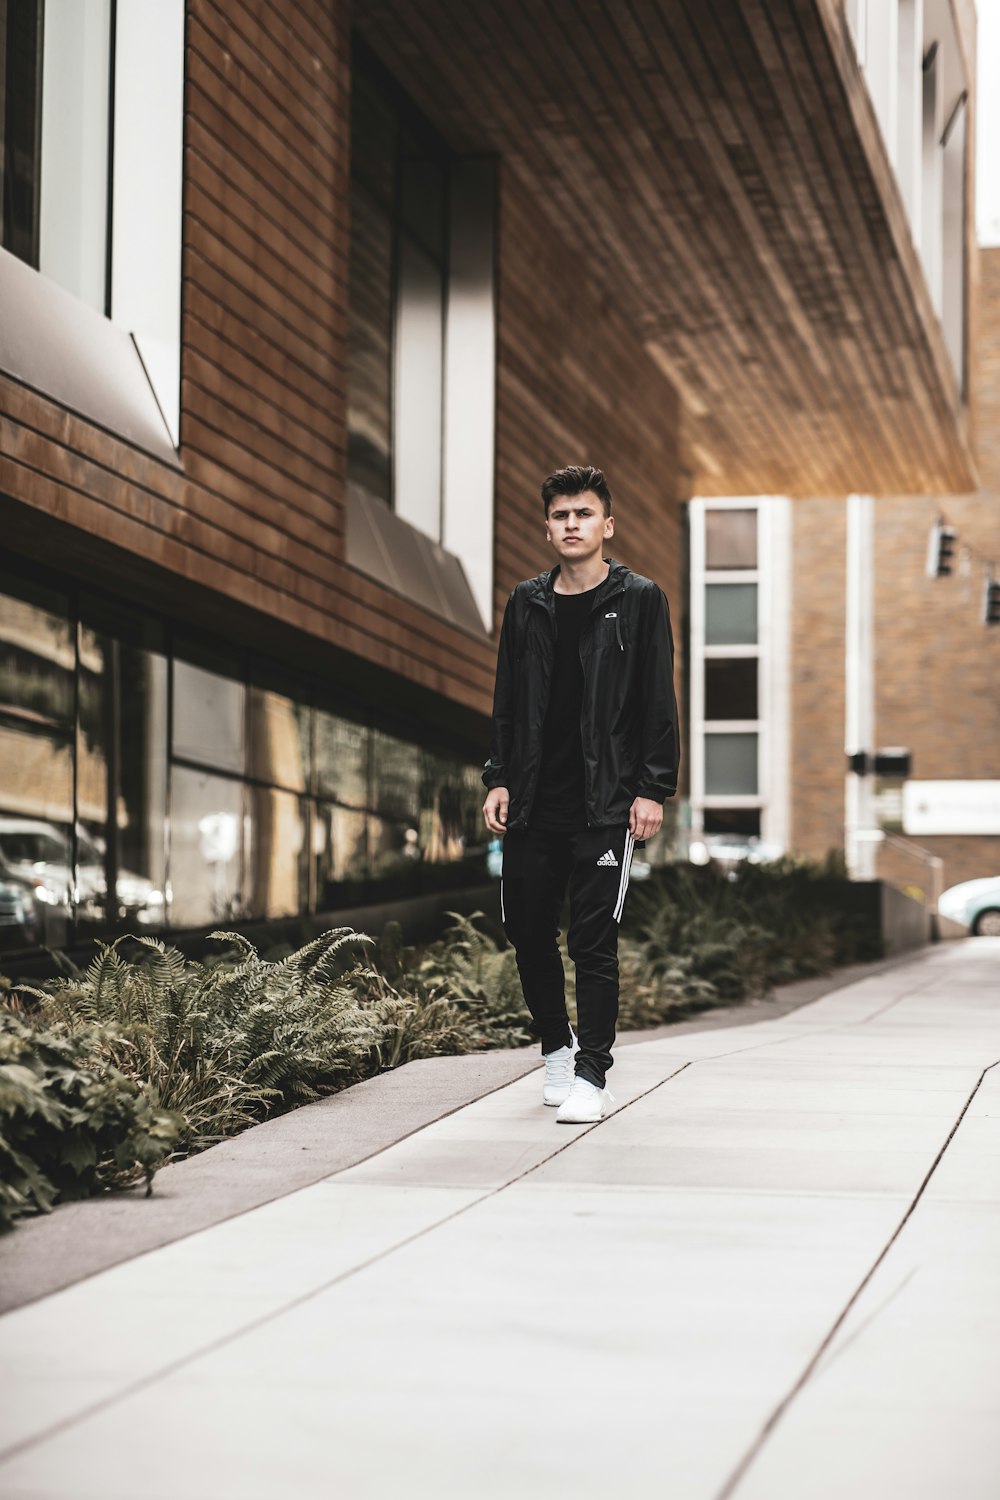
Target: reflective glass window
{"x":280,"y":730}
{"x":278,"y":873}
{"x":731,"y":614}
{"x":730,"y":538}
{"x":342,"y":759}
{"x":394,"y":847}
{"x":206,"y":848}
{"x":340,"y":853}
{"x":730,"y":764}
{"x":731,"y":687}
{"x":93,"y":754}
{"x":743,"y":821}
{"x":37,"y":655}
{"x":209,"y":717}
{"x":396,"y":776}
{"x":450,"y":815}
{"x":36,"y":821}
{"x":141,"y":801}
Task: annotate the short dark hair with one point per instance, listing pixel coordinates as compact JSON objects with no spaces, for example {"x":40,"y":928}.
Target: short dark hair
{"x":575,"y":480}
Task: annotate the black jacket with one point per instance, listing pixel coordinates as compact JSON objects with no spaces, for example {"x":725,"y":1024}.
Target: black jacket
{"x":629,"y":720}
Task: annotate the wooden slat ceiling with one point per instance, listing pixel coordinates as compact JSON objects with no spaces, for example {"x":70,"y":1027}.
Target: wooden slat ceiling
{"x":718,"y":164}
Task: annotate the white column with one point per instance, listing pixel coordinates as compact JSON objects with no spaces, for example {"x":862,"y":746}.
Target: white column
{"x":859,"y":696}
{"x":149,"y":147}
{"x":910,"y":101}
{"x":73,"y":211}
{"x":930,"y":232}
{"x":882,"y":46}
{"x":774,"y":541}
{"x":469,"y":379}
{"x":953,"y":290}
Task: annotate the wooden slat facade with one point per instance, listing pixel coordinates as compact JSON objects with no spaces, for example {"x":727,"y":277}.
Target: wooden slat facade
{"x":718,"y":165}
{"x":687,"y":210}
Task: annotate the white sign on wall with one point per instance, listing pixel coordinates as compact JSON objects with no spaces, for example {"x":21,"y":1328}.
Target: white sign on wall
{"x":951,"y":807}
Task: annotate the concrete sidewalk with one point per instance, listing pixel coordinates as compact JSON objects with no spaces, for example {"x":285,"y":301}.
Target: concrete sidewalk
{"x":771,"y":1274}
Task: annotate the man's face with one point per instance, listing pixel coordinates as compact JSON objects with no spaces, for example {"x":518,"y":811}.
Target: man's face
{"x":577,"y":526}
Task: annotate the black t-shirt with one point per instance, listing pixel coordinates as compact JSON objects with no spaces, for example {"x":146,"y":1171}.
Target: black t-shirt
{"x":560,"y":799}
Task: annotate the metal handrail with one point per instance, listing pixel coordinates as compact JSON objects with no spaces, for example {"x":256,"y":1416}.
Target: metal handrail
{"x":934,"y":861}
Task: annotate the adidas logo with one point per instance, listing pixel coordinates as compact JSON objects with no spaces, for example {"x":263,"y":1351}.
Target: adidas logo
{"x":608,"y":859}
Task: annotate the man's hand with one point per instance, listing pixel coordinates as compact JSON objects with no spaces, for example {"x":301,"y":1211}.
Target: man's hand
{"x":495,"y":809}
{"x":645,"y":817}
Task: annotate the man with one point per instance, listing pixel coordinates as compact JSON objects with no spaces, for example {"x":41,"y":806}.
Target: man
{"x":584,"y":750}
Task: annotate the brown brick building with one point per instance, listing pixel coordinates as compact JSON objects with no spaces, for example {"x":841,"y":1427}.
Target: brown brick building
{"x":300,"y":305}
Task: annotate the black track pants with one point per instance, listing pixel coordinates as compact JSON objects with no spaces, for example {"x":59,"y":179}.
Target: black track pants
{"x":538,"y":867}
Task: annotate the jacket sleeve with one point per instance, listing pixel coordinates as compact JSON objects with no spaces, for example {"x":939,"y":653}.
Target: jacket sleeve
{"x":659,"y":757}
{"x":496,"y":769}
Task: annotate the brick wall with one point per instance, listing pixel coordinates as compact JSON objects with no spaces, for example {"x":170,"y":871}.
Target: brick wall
{"x":819,"y":539}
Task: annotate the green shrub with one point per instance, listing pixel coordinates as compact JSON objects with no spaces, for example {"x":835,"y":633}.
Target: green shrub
{"x":71,"y":1123}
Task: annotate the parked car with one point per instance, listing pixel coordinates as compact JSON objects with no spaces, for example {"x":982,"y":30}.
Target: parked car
{"x":37,"y":891}
{"x":975,"y":904}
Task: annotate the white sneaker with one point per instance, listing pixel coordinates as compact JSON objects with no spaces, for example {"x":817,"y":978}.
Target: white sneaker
{"x":585,"y":1103}
{"x":559,"y":1072}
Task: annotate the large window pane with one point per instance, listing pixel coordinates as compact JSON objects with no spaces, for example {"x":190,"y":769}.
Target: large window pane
{"x":209,"y":717}
{"x":279,"y":740}
{"x":731,"y":614}
{"x":342,"y":759}
{"x":206,"y":848}
{"x":141,"y":803}
{"x":730,"y":538}
{"x":278,"y":855}
{"x":37,"y":656}
{"x":340,"y":851}
{"x":731,"y":688}
{"x":36,"y":819}
{"x":396,"y":775}
{"x":731,"y":765}
{"x":450,"y":817}
{"x":21,"y":120}
{"x":93,"y":756}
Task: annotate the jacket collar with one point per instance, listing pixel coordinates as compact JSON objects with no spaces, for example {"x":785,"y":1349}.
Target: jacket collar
{"x":541,"y":588}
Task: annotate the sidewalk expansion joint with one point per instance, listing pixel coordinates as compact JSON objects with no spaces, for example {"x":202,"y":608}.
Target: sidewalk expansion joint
{"x":731,"y":1484}
{"x":176,"y":1365}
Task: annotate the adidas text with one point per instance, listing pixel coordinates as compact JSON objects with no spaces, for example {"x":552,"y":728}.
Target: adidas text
{"x":608,"y":859}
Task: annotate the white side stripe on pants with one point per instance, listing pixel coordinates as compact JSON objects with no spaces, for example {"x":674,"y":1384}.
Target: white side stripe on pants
{"x":623,"y":882}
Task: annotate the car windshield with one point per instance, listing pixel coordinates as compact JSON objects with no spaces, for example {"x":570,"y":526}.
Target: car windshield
{"x":30,"y":847}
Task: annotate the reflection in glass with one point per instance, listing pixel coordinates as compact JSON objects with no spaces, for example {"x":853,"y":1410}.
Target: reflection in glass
{"x":209,"y":717}
{"x":93,"y":749}
{"x":37,"y":658}
{"x":278,"y":854}
{"x":394,"y":846}
{"x":279,"y":740}
{"x":731,"y":764}
{"x":342,"y":759}
{"x":141,"y":802}
{"x":396,"y":774}
{"x":731,"y":687}
{"x":731,"y":614}
{"x":340,"y":851}
{"x":730,"y":538}
{"x":449,"y":814}
{"x":36,"y":811}
{"x":206,"y":848}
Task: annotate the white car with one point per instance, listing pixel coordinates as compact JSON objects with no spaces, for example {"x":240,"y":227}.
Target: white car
{"x":975,"y":904}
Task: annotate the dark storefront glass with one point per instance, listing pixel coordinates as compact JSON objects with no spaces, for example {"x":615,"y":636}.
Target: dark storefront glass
{"x":340,"y":851}
{"x":37,"y":706}
{"x":209,"y":717}
{"x":21,"y":119}
{"x":280,"y":733}
{"x":256,"y":806}
{"x":278,"y":861}
{"x":342,"y":754}
{"x":206,"y":848}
